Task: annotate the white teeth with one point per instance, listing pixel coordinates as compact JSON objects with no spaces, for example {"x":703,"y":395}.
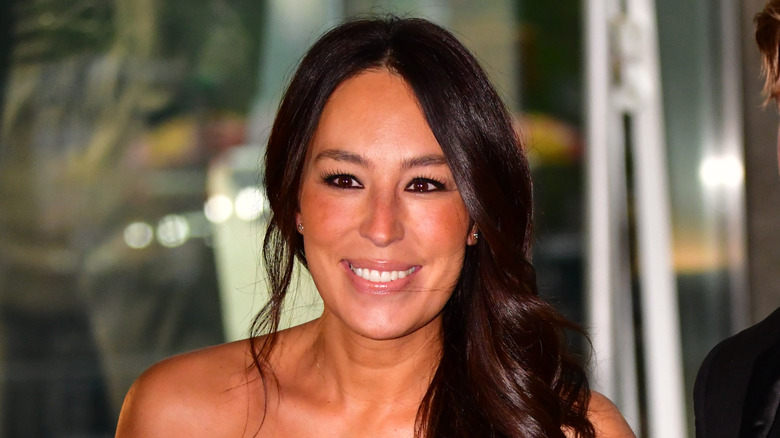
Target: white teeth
{"x":376,"y":276}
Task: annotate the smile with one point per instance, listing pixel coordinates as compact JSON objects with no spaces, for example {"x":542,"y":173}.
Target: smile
{"x":376,"y":276}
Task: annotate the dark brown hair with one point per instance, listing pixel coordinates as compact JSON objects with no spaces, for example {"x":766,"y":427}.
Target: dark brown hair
{"x":768,"y":39}
{"x":505,"y":369}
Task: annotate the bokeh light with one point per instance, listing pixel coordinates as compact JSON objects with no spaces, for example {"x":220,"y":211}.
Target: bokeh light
{"x":218,"y":209}
{"x":173,"y":230}
{"x":250,"y":203}
{"x":138,"y":235}
{"x":721,"y":172}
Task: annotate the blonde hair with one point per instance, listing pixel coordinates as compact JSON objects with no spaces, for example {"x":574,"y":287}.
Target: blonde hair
{"x":768,"y":40}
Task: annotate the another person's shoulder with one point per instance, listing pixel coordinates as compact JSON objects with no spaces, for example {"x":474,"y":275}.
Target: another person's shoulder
{"x":607,"y":419}
{"x":745,"y":345}
{"x":193,"y":394}
{"x":725,"y":375}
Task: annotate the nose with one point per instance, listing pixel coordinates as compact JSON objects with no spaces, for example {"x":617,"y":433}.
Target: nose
{"x":382,"y":222}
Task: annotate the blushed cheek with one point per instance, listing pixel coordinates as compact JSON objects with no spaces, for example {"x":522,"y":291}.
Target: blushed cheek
{"x":450,"y":226}
{"x":324,"y":217}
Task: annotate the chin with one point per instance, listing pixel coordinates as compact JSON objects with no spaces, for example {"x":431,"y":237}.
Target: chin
{"x":389,"y":330}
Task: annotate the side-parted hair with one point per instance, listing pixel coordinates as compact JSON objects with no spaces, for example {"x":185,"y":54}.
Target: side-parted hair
{"x":506,"y":369}
{"x":768,"y":38}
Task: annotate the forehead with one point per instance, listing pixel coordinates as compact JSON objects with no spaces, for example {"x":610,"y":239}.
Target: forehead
{"x":375,"y":111}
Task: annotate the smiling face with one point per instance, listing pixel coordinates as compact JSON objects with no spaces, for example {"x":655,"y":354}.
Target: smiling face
{"x":384,"y":226}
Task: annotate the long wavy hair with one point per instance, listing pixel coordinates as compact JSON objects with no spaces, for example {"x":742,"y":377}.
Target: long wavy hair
{"x":505,"y":369}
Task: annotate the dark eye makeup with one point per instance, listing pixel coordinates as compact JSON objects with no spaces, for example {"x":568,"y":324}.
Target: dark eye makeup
{"x":424,"y":185}
{"x":342,"y":180}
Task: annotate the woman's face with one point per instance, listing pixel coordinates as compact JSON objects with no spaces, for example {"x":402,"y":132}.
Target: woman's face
{"x":384,"y":226}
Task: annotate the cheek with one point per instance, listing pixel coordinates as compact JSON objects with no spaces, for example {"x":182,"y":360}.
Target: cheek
{"x":325,"y":217}
{"x":444,"y":225}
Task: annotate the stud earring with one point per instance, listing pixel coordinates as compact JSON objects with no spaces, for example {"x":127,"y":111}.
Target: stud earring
{"x":475,"y":235}
{"x":300,"y":227}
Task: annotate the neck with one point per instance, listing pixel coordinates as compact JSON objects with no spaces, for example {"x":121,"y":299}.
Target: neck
{"x":355,"y":368}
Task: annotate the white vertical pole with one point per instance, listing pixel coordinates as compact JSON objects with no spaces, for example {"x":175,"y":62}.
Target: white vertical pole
{"x":636,"y":93}
{"x":608,"y":271}
{"x":599,"y":258}
{"x":660,"y":312}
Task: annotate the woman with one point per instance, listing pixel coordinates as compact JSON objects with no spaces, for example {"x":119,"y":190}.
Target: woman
{"x":394,"y":175}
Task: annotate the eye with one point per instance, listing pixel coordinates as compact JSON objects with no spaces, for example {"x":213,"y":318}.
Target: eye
{"x":424,"y":185}
{"x":342,"y":181}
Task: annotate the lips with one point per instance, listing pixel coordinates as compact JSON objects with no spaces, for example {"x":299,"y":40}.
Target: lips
{"x":381,"y":276}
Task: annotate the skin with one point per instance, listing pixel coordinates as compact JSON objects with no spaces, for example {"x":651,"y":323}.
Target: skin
{"x":375,"y":194}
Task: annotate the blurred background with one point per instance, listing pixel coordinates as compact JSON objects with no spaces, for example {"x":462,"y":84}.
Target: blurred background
{"x":131,"y":216}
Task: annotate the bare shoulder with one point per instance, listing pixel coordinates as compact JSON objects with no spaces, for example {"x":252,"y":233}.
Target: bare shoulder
{"x":607,"y":419}
{"x":202,"y":393}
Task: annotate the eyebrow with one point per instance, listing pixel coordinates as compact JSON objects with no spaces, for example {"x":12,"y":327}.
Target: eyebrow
{"x":421,"y":161}
{"x":339,"y":155}
{"x":424,"y":161}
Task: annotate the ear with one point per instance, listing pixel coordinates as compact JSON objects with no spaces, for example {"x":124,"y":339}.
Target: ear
{"x":473,"y":236}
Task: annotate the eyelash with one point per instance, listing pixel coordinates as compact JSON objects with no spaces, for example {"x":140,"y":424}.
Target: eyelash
{"x":438,"y":185}
{"x":330,"y":178}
